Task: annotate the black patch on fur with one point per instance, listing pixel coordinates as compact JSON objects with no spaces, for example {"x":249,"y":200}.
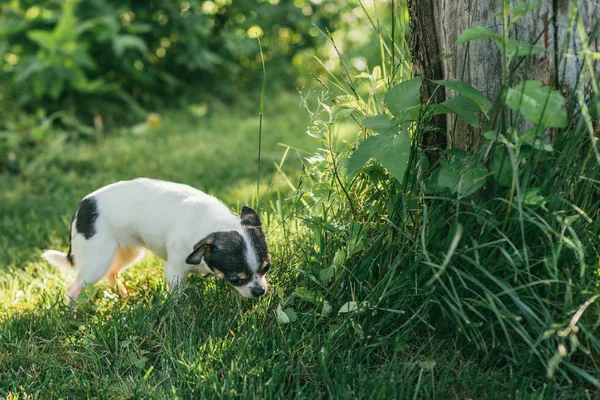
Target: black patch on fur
{"x":228,"y":255}
{"x":70,"y":257}
{"x":200,"y":249}
{"x":250,"y":217}
{"x":86,"y":217}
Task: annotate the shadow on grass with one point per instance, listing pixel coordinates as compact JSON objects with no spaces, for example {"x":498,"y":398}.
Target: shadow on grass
{"x":109,"y":339}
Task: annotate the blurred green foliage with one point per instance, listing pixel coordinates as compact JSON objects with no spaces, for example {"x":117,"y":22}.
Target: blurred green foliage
{"x":84,"y":53}
{"x":73,"y":64}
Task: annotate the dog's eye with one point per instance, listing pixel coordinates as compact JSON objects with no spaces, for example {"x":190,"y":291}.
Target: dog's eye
{"x":235,"y":280}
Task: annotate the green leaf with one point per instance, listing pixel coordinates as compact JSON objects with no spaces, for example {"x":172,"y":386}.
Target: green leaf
{"x":12,"y":24}
{"x":476,"y":32}
{"x":352,"y":306}
{"x":141,"y":362}
{"x":391,"y":152}
{"x":539,"y":104}
{"x":462,"y":106}
{"x":515,"y":48}
{"x":357,"y":328}
{"x":340,"y":258}
{"x":361,"y":155}
{"x":293,"y":317}
{"x":381,"y":124}
{"x":65,"y":29}
{"x":348,"y":307}
{"x":90,"y":86}
{"x":326,"y":274}
{"x":83,"y":59}
{"x":401,"y":98}
{"x":461,"y":175}
{"x":340,"y":114}
{"x":533,"y":198}
{"x":490,"y":135}
{"x":463,"y":184}
{"x":521,"y":9}
{"x":356,"y":241}
{"x":327,"y":309}
{"x":305,"y":294}
{"x":39,"y":85}
{"x":501,"y":168}
{"x":469,"y":91}
{"x":394,"y":156}
{"x":56,"y":88}
{"x":282,"y":316}
{"x":132,"y":357}
{"x":34,"y":64}
{"x":44,"y":39}
{"x":122,"y":43}
{"x":535,"y":138}
{"x":137,"y":362}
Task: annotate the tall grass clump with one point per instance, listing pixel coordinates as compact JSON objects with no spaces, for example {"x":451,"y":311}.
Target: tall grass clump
{"x":494,"y":252}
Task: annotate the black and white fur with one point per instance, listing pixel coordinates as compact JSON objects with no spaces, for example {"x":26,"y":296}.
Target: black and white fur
{"x":190,"y":230}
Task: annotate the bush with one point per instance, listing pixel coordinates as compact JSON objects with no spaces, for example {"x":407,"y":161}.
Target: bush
{"x":90,"y":54}
{"x":104,"y":62}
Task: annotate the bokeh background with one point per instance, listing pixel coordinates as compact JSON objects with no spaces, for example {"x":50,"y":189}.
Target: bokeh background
{"x":80,"y":68}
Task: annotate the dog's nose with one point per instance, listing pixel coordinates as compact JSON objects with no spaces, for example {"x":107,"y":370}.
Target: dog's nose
{"x":257,"y":291}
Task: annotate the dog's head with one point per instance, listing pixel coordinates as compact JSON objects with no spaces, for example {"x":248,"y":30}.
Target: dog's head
{"x":240,"y":257}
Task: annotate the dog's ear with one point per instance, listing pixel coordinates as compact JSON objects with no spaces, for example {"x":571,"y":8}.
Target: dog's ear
{"x":200,"y":249}
{"x":250,"y":217}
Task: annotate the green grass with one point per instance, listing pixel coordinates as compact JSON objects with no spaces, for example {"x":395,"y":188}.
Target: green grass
{"x":209,"y":342}
{"x":490,"y":295}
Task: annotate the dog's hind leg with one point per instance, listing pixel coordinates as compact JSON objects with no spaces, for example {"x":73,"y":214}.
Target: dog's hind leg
{"x":124,"y":257}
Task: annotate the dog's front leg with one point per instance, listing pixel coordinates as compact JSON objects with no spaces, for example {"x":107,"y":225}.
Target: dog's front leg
{"x":175,"y":277}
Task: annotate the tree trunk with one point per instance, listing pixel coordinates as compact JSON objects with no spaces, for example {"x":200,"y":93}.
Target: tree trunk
{"x":480,"y":62}
{"x":428,"y":64}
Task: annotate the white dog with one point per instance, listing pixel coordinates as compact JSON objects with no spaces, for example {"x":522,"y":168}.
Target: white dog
{"x":186,"y":227}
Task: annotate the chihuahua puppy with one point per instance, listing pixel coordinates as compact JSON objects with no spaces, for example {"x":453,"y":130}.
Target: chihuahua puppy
{"x":189,"y":229}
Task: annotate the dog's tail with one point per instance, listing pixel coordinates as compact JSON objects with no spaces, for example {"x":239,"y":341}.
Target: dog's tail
{"x":58,"y":259}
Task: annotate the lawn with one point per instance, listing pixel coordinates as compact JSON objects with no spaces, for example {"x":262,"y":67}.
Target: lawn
{"x":208,"y":342}
{"x":216,"y":152}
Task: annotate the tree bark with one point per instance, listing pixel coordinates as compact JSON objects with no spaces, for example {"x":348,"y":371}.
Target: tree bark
{"x":428,"y":64}
{"x":480,"y":62}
